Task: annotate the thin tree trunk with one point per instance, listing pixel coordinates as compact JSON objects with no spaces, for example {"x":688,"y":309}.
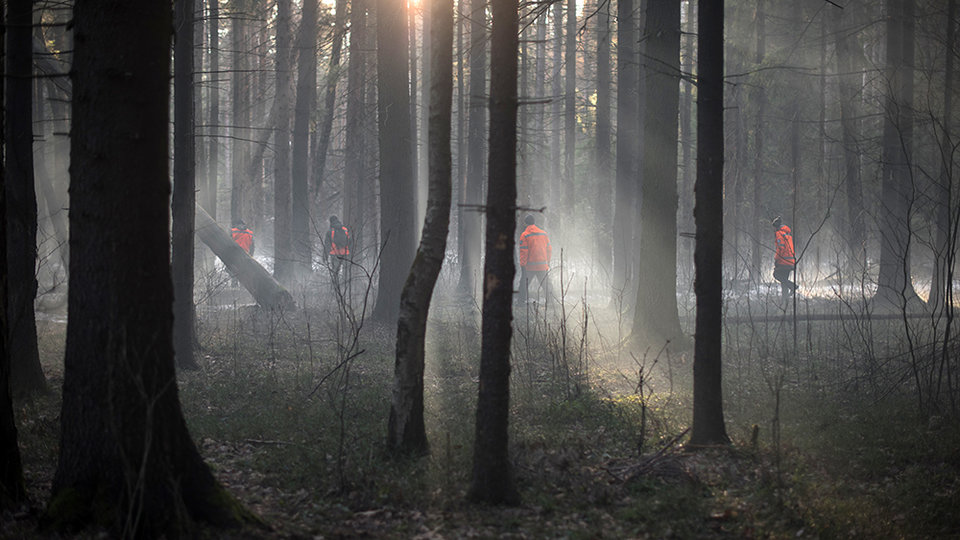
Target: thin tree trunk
{"x":184,"y":188}
{"x":141,"y":475}
{"x":406,"y":432}
{"x":353,"y":173}
{"x":708,"y":423}
{"x":240,"y":117}
{"x":282,"y":198}
{"x":760,"y":99}
{"x":627,"y":111}
{"x":939,"y":286}
{"x":213,"y":156}
{"x":26,"y":374}
{"x":604,"y":208}
{"x":570,"y":112}
{"x":553,"y":187}
{"x":492,"y":472}
{"x":330,"y":93}
{"x":301,"y":239}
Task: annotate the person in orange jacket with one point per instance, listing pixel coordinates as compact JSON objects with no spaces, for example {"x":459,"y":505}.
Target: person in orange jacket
{"x":784,"y":260}
{"x":338,"y":240}
{"x":243,"y":236}
{"x":535,"y":253}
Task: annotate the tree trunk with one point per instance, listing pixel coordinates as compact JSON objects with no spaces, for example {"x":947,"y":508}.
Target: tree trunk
{"x":330,"y":93}
{"x":26,"y":374}
{"x":471,"y":217}
{"x":627,"y":111}
{"x":127,"y":461}
{"x":850,"y":138}
{"x":240,"y":119}
{"x":492,"y":473}
{"x":894,"y":285}
{"x":397,"y":189}
{"x":255,"y":278}
{"x":656,"y":317}
{"x":184,"y":188}
{"x":939,"y":284}
{"x":353,"y":168}
{"x":282,"y":200}
{"x":553,"y":187}
{"x":570,"y":113}
{"x":406,"y":433}
{"x":13,"y":492}
{"x":760,"y":99}
{"x":604,"y":208}
{"x":708,"y":423}
{"x":213,"y":156}
{"x":306,"y":99}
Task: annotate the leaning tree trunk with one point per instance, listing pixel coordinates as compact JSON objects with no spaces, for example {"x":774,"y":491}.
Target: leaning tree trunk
{"x":184,"y":183}
{"x":656,"y":317}
{"x":127,"y":462}
{"x":406,"y":433}
{"x":306,"y":98}
{"x":492,"y":472}
{"x":13,"y":492}
{"x":708,"y":423}
{"x":397,"y":190}
{"x":255,"y":278}
{"x":21,"y":223}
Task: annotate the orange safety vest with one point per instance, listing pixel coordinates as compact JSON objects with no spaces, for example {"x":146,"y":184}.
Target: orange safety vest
{"x":243,"y":238}
{"x":785,"y":255}
{"x":535,"y":249}
{"x":334,"y":248}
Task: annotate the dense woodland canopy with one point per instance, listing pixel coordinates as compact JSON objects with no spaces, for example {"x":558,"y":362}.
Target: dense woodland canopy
{"x":654,"y":141}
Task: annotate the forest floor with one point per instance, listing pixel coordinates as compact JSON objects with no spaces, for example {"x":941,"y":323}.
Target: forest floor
{"x":290,"y":412}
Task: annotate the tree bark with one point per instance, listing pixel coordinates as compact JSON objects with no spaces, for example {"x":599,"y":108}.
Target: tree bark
{"x":397,"y":189}
{"x":850,"y":139}
{"x":354,"y":173}
{"x":708,"y":423}
{"x":330,"y":93}
{"x":240,"y":118}
{"x":127,"y":461}
{"x":13,"y":491}
{"x":570,"y":113}
{"x":406,"y":433}
{"x":282,"y":199}
{"x":627,"y":135}
{"x":760,"y":99}
{"x":26,"y":374}
{"x":656,"y":317}
{"x":492,"y":473}
{"x":184,"y":187}
{"x":476,"y":144}
{"x":604,"y":208}
{"x":894,"y":284}
{"x":213,"y":156}
{"x":306,"y":99}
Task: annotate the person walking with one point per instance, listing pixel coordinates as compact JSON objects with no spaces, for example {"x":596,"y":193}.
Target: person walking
{"x":535,"y":253}
{"x":338,"y":241}
{"x":784,"y":260}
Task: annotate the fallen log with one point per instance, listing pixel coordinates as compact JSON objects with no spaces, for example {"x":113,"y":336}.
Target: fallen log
{"x":255,"y":278}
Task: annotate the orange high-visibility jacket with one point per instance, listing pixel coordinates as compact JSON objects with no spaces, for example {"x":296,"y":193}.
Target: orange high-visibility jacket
{"x":334,"y":248}
{"x":535,"y":249}
{"x":243,"y":238}
{"x":785,"y":255}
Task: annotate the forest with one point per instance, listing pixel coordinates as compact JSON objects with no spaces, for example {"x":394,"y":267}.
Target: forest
{"x":479,"y":269}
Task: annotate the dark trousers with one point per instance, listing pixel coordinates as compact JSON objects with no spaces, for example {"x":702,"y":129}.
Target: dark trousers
{"x":781,"y":273}
{"x":529,"y":276}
